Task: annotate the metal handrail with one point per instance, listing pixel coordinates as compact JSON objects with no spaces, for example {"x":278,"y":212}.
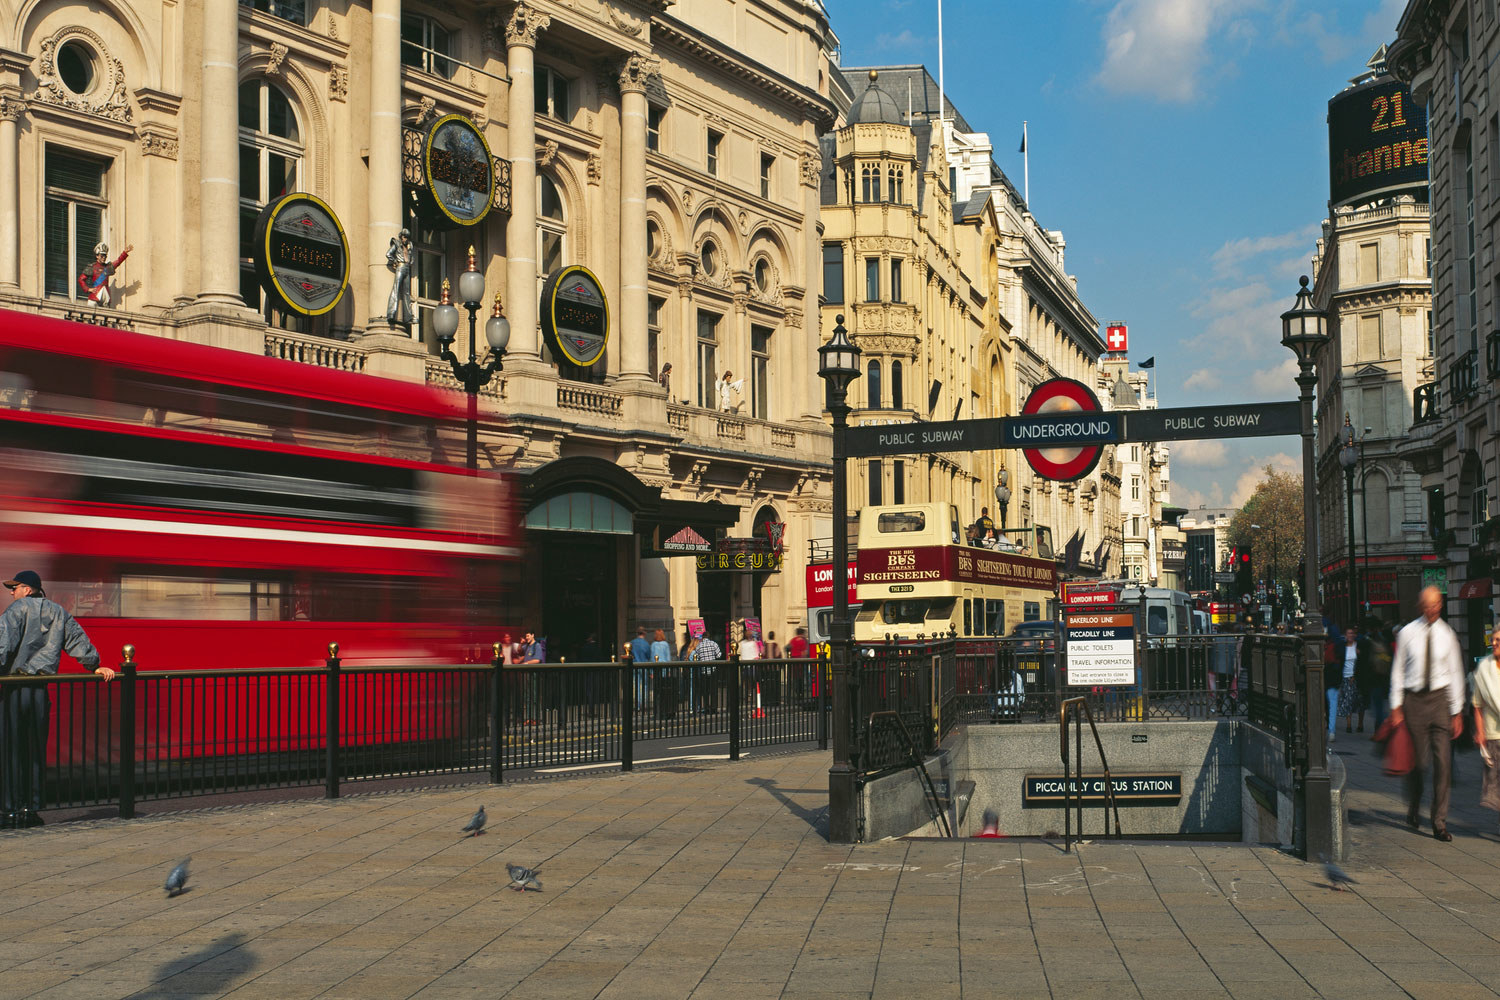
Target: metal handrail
{"x":914,"y":760}
{"x":1073,"y":706}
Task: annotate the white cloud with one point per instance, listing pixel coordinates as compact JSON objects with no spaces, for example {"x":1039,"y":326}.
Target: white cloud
{"x":1231,"y":257}
{"x":1244,"y":487}
{"x":904,"y":40}
{"x":1205,"y":379}
{"x":1205,"y":453}
{"x":1240,"y":322}
{"x":1160,"y":47}
{"x":1276,"y":382}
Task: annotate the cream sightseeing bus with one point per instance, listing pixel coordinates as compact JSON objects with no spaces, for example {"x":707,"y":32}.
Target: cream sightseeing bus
{"x":920,"y":575}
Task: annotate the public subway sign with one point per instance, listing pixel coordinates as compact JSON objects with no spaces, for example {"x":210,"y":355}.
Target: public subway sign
{"x":1100,"y":648}
{"x":1236,"y":420}
{"x":459,"y":169}
{"x":575,"y":315}
{"x":301,"y":255}
{"x":1050,"y":791}
{"x":919,"y":439}
{"x":1377,"y":142}
{"x":932,"y":563}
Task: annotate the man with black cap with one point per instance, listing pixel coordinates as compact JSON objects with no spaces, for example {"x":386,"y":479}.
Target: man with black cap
{"x":34,"y":632}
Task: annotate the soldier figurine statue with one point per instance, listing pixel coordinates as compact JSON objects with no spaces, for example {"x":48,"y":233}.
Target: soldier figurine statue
{"x":94,"y":281}
{"x":398,"y":260}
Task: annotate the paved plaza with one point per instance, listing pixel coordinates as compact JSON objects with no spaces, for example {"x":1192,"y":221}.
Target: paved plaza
{"x":714,"y":880}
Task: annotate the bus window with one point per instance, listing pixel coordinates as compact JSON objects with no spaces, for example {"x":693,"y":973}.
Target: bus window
{"x":905,"y":612}
{"x":994,"y":618}
{"x":941,"y":614}
{"x":901,"y":520}
{"x":968,"y":620}
{"x":1156,"y":620}
{"x":1032,"y":612}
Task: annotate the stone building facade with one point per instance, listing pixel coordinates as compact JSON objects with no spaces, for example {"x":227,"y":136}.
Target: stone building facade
{"x":1444,"y":50}
{"x":670,"y":148}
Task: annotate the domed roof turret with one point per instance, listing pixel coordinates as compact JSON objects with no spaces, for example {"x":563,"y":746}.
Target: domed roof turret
{"x":875,"y":106}
{"x":1124,"y":396}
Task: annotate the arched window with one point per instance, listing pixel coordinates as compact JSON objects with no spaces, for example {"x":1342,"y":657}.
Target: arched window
{"x":898,"y":395}
{"x":872,"y":385}
{"x":551,"y":225}
{"x":870,"y":185}
{"x":271,"y":150}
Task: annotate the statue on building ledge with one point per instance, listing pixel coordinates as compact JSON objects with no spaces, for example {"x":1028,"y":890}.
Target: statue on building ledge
{"x":398,"y":260}
{"x":94,"y":281}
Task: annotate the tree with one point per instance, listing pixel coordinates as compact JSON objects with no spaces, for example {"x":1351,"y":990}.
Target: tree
{"x":1275,"y":546}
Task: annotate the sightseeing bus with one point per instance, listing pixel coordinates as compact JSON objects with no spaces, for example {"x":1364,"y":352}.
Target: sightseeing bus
{"x":218,"y":509}
{"x":919,"y":576}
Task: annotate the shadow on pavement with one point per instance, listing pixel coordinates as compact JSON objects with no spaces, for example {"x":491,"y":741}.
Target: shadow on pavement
{"x":212,"y":969}
{"x":815,"y":818}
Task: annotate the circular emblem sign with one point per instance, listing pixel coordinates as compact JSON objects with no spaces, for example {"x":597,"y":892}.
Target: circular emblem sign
{"x":460,"y":173}
{"x":575,"y":315}
{"x":1062,"y":395}
{"x":301,"y":254}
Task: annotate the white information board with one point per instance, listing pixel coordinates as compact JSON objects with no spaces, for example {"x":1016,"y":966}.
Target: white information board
{"x":1100,"y":649}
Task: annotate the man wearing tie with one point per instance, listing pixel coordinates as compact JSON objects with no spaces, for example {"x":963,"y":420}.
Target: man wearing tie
{"x":1427,"y":694}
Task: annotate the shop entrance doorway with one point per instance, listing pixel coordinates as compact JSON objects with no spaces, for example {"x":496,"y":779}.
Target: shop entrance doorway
{"x":579,"y":597}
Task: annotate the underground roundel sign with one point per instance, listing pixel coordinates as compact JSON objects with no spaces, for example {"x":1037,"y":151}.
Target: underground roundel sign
{"x":1061,"y":396}
{"x":301,"y":255}
{"x":575,"y":315}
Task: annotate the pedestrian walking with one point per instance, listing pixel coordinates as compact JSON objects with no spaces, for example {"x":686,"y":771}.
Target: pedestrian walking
{"x":1333,"y":681}
{"x":533,"y":652}
{"x":1381,"y":642}
{"x":1487,"y":722}
{"x":34,"y":632}
{"x":1352,"y":676}
{"x":640,"y":654}
{"x":706,"y":651}
{"x":666,"y":681}
{"x":1427,"y":695}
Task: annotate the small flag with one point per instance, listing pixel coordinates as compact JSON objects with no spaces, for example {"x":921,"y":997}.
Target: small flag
{"x":1148,"y":363}
{"x":1023,"y":138}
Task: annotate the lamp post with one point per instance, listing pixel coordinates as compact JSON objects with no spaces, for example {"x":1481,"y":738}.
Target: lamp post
{"x":1002,"y":495}
{"x":472,"y":375}
{"x":838,"y":365}
{"x":1304,"y":331}
{"x":1349,"y":458}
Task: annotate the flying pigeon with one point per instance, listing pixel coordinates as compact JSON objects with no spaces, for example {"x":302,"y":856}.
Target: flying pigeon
{"x":476,"y":825}
{"x":177,"y":879}
{"x":522,"y":879}
{"x":1337,"y":877}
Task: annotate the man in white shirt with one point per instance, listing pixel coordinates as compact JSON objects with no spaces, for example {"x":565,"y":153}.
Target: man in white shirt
{"x":1427,"y":695}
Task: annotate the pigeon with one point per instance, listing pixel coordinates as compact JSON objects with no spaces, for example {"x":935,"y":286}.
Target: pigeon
{"x":1337,"y":877}
{"x":476,"y":825}
{"x":177,"y":879}
{"x":522,"y":879}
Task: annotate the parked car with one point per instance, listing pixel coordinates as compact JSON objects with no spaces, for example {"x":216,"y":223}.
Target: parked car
{"x":1034,"y":646}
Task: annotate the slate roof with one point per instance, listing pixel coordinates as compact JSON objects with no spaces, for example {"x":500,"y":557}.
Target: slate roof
{"x":898,"y":81}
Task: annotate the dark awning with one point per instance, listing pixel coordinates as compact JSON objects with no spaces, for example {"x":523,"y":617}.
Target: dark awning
{"x":1480,"y":589}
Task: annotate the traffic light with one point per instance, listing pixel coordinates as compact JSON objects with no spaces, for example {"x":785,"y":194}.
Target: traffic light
{"x":1243,"y":580}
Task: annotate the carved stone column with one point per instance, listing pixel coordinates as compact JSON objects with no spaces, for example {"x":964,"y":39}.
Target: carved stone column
{"x":218,"y":144}
{"x":634,"y":350}
{"x":11,"y":110}
{"x":521,"y":27}
{"x":384,"y":208}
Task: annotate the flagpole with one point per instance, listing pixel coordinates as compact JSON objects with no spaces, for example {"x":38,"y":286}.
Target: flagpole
{"x":942,"y":102}
{"x":1025,"y":165}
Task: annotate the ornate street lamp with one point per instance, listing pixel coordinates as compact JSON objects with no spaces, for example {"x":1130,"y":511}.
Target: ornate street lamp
{"x":1002,"y":495}
{"x":1304,"y":331}
{"x":473,"y":375}
{"x":1349,"y":458}
{"x":838,"y":365}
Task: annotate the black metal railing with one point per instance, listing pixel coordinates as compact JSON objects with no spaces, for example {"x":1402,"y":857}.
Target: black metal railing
{"x":1463,"y":377}
{"x":176,"y":733}
{"x":1425,"y":403}
{"x":1274,"y":667}
{"x":1492,"y":355}
{"x":1073,"y":783}
{"x":917,"y":681}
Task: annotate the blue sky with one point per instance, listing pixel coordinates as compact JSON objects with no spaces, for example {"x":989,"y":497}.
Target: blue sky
{"x":1181,"y":147}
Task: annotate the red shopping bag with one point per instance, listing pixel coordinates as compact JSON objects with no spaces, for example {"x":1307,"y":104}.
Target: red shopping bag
{"x":1399,"y":752}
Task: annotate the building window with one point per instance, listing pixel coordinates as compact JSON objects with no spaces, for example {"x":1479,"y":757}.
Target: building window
{"x":429,"y":267}
{"x":288,"y":10}
{"x":709,"y":257}
{"x":654,"y":115}
{"x":875,"y":474}
{"x":653,"y":337}
{"x":1428,"y":272}
{"x":760,"y":372}
{"x":1471,"y":245}
{"x":1431,"y":336}
{"x":1368,"y":264}
{"x":551,"y":226}
{"x":833,"y":272}
{"x":872,"y":385}
{"x":1479,"y":505}
{"x":872,"y":279}
{"x":75,"y":219}
{"x":898,"y":481}
{"x":715,"y":140}
{"x":767,"y":161}
{"x":763,"y":275}
{"x":1135,"y":487}
{"x":552,"y":94}
{"x":897,"y":393}
{"x":894,"y":182}
{"x":1135,"y":525}
{"x":1369,"y":338}
{"x":895,"y":279}
{"x":270,"y":163}
{"x":869,"y":184}
{"x":426,"y":45}
{"x":708,"y":342}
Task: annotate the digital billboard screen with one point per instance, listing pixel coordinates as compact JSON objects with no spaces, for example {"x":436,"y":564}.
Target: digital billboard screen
{"x":1377,"y":142}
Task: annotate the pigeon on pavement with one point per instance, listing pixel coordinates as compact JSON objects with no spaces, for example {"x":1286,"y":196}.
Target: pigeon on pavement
{"x":1337,"y":877}
{"x":476,"y":825}
{"x":522,"y":879}
{"x":177,"y":879}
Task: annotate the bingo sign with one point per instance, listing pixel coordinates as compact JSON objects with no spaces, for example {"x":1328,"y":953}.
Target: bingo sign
{"x":1101,"y":649}
{"x":301,"y":255}
{"x":1059,"y":397}
{"x":460,"y":172}
{"x":575,"y":315}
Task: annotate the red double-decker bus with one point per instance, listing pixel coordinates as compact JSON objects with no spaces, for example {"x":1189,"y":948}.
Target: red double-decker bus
{"x":222,"y":510}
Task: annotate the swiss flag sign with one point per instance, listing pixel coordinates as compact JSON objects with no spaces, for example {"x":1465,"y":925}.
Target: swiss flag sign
{"x":1116,"y":337}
